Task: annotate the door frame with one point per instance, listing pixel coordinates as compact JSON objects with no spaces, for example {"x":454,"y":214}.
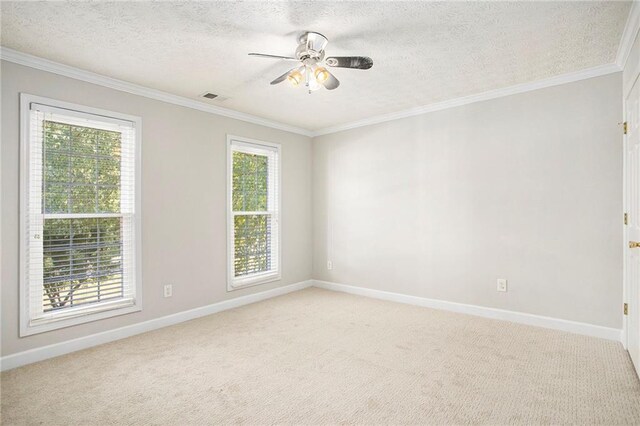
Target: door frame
{"x":625,"y":231}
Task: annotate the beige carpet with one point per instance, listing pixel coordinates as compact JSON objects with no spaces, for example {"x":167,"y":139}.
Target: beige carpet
{"x":319,"y":357}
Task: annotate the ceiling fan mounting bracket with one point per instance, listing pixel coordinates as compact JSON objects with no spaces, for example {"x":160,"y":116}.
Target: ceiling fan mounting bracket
{"x":311,"y":47}
{"x":316,"y":40}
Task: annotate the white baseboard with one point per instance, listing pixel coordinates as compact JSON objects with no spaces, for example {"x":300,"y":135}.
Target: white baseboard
{"x":481,"y":311}
{"x":38,"y":354}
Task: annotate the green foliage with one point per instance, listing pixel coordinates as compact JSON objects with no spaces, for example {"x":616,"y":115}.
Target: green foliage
{"x":252,"y":232}
{"x":82,"y":261}
{"x":250,"y":182}
{"x":81,"y":169}
{"x":252,"y":244}
{"x":81,"y":174}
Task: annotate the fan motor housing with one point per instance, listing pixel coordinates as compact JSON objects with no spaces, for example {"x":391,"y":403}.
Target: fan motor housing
{"x":311,"y":47}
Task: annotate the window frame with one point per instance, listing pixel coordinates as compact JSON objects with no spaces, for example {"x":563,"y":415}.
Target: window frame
{"x":275,"y":274}
{"x":81,"y":314}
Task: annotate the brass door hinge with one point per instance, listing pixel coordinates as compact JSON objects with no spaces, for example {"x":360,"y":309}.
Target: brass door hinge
{"x":626,"y":218}
{"x":625,"y":127}
{"x":626,"y":309}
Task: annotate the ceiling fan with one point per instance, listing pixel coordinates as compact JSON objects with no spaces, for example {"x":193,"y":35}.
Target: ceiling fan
{"x":311,"y":72}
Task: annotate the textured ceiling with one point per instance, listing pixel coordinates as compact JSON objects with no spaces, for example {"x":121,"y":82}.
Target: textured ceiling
{"x":423,"y":52}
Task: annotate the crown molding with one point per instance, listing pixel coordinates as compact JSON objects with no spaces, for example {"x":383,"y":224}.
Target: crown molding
{"x":25,"y":59}
{"x":485,"y":96}
{"x":628,"y":35}
{"x":32,"y":61}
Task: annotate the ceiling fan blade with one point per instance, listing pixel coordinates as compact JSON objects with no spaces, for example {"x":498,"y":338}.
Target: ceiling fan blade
{"x":263,"y":55}
{"x":354,"y":62}
{"x":331,"y":82}
{"x":283,"y":77}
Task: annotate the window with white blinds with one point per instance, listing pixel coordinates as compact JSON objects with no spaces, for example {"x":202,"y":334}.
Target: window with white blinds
{"x":80,"y":214}
{"x":254,"y":212}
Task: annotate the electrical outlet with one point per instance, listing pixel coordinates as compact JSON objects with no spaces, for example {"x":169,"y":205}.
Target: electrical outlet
{"x":168,"y":290}
{"x":329,"y":265}
{"x":502,"y":284}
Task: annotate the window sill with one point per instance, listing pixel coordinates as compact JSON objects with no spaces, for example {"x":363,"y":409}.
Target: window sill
{"x":81,"y":315}
{"x":251,"y":280}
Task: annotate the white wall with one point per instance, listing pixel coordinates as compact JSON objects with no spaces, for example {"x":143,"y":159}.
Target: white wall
{"x":526,"y":187}
{"x":183,"y":201}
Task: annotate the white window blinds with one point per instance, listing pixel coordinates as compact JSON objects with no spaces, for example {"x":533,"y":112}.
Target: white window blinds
{"x":254,"y":208}
{"x":80,"y":229}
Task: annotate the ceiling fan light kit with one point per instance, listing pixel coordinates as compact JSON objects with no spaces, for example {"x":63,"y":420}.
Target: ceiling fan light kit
{"x":310,"y":52}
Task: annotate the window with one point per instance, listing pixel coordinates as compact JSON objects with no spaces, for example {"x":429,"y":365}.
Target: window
{"x":253,"y":212}
{"x":79,"y":214}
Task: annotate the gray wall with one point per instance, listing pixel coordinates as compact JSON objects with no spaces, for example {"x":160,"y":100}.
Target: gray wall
{"x":183,"y":201}
{"x":526,"y":187}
